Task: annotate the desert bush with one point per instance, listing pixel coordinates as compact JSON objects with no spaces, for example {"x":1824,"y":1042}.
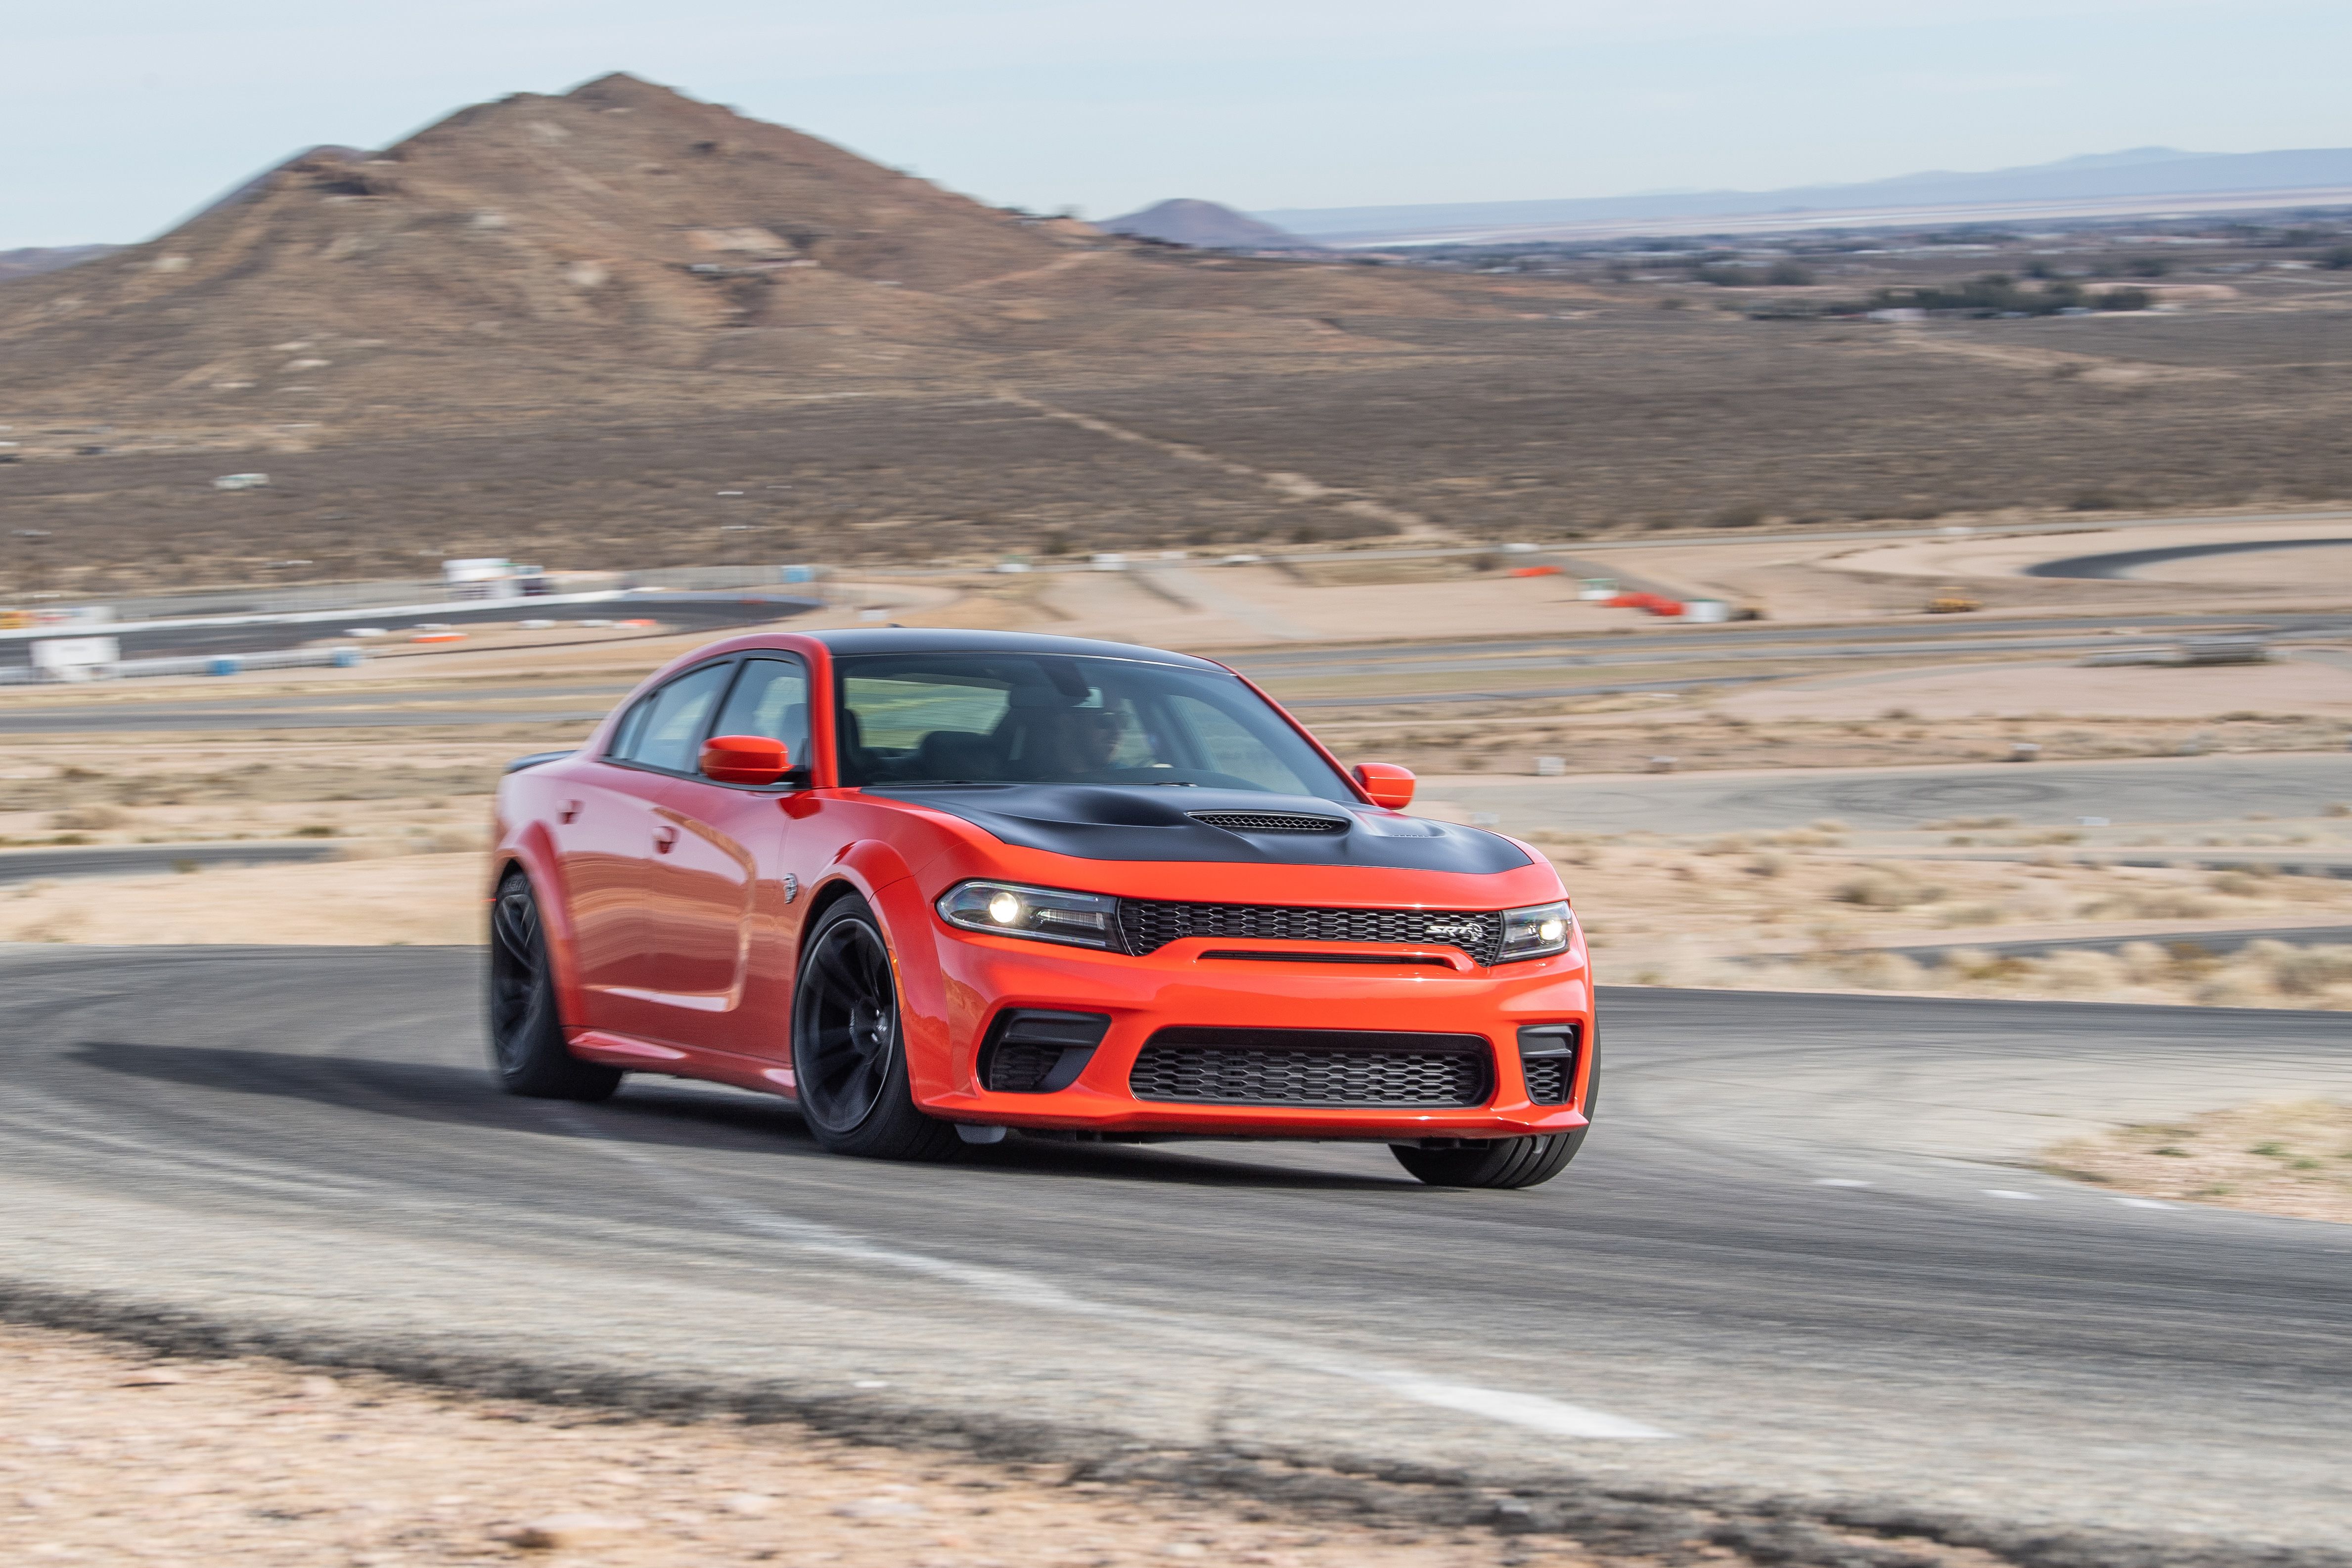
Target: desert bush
{"x":89,"y":818}
{"x":2081,"y":973}
{"x":1885,"y":890}
{"x":1883,"y":972}
{"x":2302,"y":971}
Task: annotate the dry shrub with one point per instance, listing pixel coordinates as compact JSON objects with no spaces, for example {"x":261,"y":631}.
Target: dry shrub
{"x":1884,"y":972}
{"x":2301,"y":971}
{"x":1767,"y":864}
{"x":1886,"y":889}
{"x":89,"y":819}
{"x":2149,"y":904}
{"x":2237,"y":883}
{"x":2081,"y":974}
{"x":1956,"y":914}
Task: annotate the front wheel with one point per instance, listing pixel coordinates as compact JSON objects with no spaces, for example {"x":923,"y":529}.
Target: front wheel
{"x":1505,"y":1163}
{"x":527,"y":1049}
{"x":849,"y":1061}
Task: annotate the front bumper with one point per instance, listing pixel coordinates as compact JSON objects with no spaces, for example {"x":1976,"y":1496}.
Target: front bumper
{"x":1178,"y":986}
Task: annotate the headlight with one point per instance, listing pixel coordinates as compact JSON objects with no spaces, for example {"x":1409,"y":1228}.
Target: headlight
{"x":1536,"y":933}
{"x":1044,"y":913}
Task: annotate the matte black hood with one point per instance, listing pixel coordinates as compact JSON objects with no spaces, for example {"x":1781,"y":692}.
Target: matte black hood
{"x":1163,"y":822}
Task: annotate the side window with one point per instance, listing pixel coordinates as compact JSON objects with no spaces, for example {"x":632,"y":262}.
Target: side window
{"x":772,"y":699}
{"x":675,"y":719}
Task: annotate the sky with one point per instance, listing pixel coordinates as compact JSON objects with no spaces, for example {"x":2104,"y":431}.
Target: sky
{"x":120,"y":117}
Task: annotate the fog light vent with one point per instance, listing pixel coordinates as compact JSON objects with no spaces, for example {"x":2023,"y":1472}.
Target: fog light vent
{"x":1030,"y":1050}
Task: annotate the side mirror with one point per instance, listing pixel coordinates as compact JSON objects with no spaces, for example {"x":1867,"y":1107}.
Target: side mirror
{"x":1386,"y":783}
{"x":744,"y":759}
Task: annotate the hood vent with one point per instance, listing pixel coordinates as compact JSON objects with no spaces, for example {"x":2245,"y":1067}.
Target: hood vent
{"x":1270,"y":821}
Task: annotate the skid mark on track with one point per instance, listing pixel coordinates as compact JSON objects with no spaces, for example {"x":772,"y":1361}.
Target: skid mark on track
{"x":1533,"y":1411}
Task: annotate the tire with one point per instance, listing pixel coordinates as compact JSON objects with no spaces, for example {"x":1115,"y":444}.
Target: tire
{"x":527,"y":1049}
{"x":849,"y":1056}
{"x":1505,"y":1162}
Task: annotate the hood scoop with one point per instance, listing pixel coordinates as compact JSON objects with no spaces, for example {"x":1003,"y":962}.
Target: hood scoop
{"x":1234,"y":827}
{"x":1270,"y":821}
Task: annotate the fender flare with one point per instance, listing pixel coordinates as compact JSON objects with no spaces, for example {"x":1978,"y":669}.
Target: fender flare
{"x":878,"y":872}
{"x":532,"y":851}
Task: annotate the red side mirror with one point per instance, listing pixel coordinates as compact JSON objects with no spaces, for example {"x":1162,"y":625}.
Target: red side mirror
{"x":744,"y":759}
{"x":1386,"y":783}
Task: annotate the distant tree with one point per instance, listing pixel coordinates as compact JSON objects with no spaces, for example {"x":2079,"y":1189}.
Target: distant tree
{"x":2336,"y":259}
{"x":1724,"y":275}
{"x":2125,"y":300}
{"x":2150,"y":265}
{"x":1789,"y":274}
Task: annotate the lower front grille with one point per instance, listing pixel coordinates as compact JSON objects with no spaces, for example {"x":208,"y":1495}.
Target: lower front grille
{"x":1311,"y":1067}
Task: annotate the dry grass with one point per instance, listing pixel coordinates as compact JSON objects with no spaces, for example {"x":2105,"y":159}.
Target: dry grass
{"x":2293,"y":1159}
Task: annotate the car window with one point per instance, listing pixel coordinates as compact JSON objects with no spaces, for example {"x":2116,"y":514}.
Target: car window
{"x":1226,"y":746}
{"x":1062,"y":718}
{"x":675,"y":719}
{"x":769,"y":699}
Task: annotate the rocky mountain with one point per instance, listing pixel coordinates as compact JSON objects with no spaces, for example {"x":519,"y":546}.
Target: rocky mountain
{"x":1206,"y":225}
{"x":544,"y":256}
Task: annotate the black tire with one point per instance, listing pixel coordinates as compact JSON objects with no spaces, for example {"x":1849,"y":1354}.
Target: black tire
{"x":527,"y":1049}
{"x":849,"y":1059}
{"x":1505,"y":1162}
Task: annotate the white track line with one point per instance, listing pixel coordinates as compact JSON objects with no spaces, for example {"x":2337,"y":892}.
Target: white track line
{"x":1533,"y":1411}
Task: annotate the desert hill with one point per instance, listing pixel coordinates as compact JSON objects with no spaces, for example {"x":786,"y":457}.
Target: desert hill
{"x":1207,"y":224}
{"x":554,"y":252}
{"x":619,"y":327}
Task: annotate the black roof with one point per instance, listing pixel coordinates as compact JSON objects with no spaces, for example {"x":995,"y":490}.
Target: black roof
{"x":942,"y":639}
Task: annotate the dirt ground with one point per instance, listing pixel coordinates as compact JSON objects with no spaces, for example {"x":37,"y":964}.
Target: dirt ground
{"x":2294,"y":1159}
{"x":116,"y":1457}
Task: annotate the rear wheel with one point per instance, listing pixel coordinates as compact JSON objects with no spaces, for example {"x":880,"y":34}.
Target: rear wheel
{"x":849,"y":1061}
{"x":527,"y":1049}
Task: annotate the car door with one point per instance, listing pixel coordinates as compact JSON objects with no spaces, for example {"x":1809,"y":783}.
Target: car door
{"x":611,"y":836}
{"x":725,"y":912}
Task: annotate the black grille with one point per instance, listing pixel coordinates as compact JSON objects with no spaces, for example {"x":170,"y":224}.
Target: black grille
{"x":1031,"y":1051}
{"x":1310,"y":1067}
{"x":1270,"y":821}
{"x":1150,"y":925}
{"x":1548,"y":1054}
{"x":1550,"y":1078}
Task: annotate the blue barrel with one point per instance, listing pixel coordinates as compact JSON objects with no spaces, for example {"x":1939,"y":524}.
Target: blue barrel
{"x":347,"y":658}
{"x":227,"y":664}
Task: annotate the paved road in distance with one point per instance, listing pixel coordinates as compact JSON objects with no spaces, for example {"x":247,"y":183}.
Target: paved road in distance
{"x":2153,"y":791}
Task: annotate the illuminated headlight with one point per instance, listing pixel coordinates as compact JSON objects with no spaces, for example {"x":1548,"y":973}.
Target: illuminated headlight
{"x":1537,"y":932}
{"x":1045,"y":914}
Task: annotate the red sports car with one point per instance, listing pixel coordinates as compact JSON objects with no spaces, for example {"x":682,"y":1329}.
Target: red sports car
{"x":935,"y":885}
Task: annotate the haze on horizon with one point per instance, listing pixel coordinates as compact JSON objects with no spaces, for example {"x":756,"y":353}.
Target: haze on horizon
{"x":121,"y":117}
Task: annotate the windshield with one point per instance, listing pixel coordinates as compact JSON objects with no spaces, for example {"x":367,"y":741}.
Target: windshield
{"x":1040,"y":718}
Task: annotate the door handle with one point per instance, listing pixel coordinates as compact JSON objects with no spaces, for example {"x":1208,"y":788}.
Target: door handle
{"x":567,"y":810}
{"x":664,"y":837}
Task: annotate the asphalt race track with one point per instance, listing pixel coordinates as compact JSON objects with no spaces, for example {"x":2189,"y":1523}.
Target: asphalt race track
{"x":1800,"y":1272}
{"x":2123,"y":563}
{"x":2136,"y":791}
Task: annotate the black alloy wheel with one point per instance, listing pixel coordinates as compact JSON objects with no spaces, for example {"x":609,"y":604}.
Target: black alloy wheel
{"x":849,"y":1062}
{"x":527,"y":1049}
